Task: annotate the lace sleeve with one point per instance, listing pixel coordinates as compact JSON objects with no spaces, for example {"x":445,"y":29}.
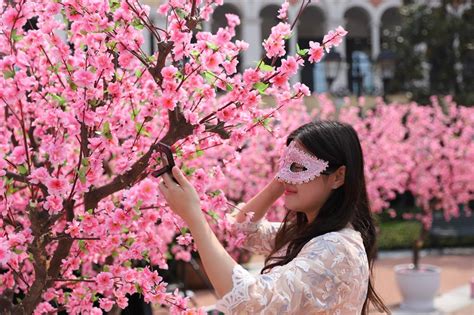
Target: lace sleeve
{"x":260,"y":235}
{"x":324,"y":278}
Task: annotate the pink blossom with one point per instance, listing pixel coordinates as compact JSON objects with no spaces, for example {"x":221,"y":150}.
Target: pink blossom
{"x":125,"y":59}
{"x":212,"y":61}
{"x":122,"y":302}
{"x":38,"y":175}
{"x":232,"y":19}
{"x":251,"y":76}
{"x":183,"y":255}
{"x":274,"y":47}
{"x":148,"y":190}
{"x":169,"y":72}
{"x":84,"y":78}
{"x":226,"y":114}
{"x":184,"y":239}
{"x":301,"y":88}
{"x":73,"y":229}
{"x":53,"y":204}
{"x":106,"y":304}
{"x":104,"y":281}
{"x":283,"y":11}
{"x":316,"y":52}
{"x":289,"y":66}
{"x":334,"y":38}
{"x":5,"y":253}
{"x":57,"y":186}
{"x":3,"y":166}
{"x":168,"y":102}
{"x":18,"y":155}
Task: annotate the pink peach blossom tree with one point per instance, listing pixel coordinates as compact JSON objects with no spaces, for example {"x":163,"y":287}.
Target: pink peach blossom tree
{"x":83,"y":108}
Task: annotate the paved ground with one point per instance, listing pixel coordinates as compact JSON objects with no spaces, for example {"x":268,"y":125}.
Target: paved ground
{"x":453,"y":297}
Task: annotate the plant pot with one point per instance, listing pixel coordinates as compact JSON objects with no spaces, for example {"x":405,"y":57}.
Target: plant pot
{"x":418,"y":286}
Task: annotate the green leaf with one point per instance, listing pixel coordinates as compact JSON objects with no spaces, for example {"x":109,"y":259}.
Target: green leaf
{"x":112,"y":45}
{"x":181,"y":13}
{"x":261,"y":87}
{"x":22,"y":169}
{"x":136,"y":23}
{"x":179,"y":152}
{"x":212,"y":46}
{"x":9,"y":74}
{"x":17,"y":251}
{"x":139,"y":289}
{"x":72,"y":85}
{"x":134,"y":113}
{"x":95,"y":298}
{"x":213,"y":214}
{"x":209,"y":76}
{"x":199,"y":152}
{"x":130,"y":241}
{"x":61,"y":101}
{"x":138,"y":73}
{"x":141,"y":130}
{"x":301,"y":52}
{"x":85,"y":161}
{"x":188,"y":171}
{"x":184,"y":230}
{"x":16,"y":37}
{"x":82,"y":246}
{"x":215,"y":193}
{"x":106,"y":130}
{"x":114,"y":5}
{"x":229,"y":87}
{"x":264,"y":67}
{"x":179,"y":75}
{"x":82,"y":174}
{"x":194,"y":53}
{"x":265,"y":122}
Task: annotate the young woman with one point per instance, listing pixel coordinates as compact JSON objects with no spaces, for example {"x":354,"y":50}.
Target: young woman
{"x":319,"y":259}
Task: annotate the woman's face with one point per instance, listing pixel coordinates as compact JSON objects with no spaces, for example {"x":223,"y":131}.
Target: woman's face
{"x":309,"y":197}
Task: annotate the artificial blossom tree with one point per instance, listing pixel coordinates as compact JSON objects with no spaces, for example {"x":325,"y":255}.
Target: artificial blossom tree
{"x":81,"y":119}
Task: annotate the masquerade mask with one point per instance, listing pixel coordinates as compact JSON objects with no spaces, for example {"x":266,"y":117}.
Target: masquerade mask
{"x":298,"y":166}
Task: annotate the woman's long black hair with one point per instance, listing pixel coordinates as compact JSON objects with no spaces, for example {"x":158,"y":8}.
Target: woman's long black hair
{"x":337,"y":143}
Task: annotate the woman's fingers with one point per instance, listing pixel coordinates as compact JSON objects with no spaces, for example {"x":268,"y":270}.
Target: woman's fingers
{"x":168,"y":180}
{"x":179,"y":176}
{"x":163,"y":189}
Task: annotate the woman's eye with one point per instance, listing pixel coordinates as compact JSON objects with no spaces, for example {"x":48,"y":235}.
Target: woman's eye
{"x":297,"y":168}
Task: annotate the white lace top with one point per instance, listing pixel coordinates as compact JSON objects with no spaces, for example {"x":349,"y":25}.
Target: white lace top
{"x":329,"y":276}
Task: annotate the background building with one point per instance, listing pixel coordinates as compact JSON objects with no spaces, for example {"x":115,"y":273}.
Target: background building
{"x":369,"y":23}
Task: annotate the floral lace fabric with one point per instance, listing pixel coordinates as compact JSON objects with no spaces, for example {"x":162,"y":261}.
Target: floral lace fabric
{"x":329,"y":276}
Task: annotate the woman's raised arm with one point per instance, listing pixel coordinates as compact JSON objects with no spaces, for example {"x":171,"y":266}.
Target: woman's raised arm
{"x":260,"y":203}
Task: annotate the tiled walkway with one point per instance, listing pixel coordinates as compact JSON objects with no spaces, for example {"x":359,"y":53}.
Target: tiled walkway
{"x":457,"y":270}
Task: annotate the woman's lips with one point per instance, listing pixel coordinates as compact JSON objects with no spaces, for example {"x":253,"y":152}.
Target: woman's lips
{"x":289,"y":192}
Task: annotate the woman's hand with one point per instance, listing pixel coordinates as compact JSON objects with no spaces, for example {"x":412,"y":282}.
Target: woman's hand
{"x":181,"y":197}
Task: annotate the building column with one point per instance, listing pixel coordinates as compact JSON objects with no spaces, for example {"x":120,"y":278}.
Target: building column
{"x":375,"y":39}
{"x":293,"y":41}
{"x":336,"y":19}
{"x":375,"y":43}
{"x":251,"y":34}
